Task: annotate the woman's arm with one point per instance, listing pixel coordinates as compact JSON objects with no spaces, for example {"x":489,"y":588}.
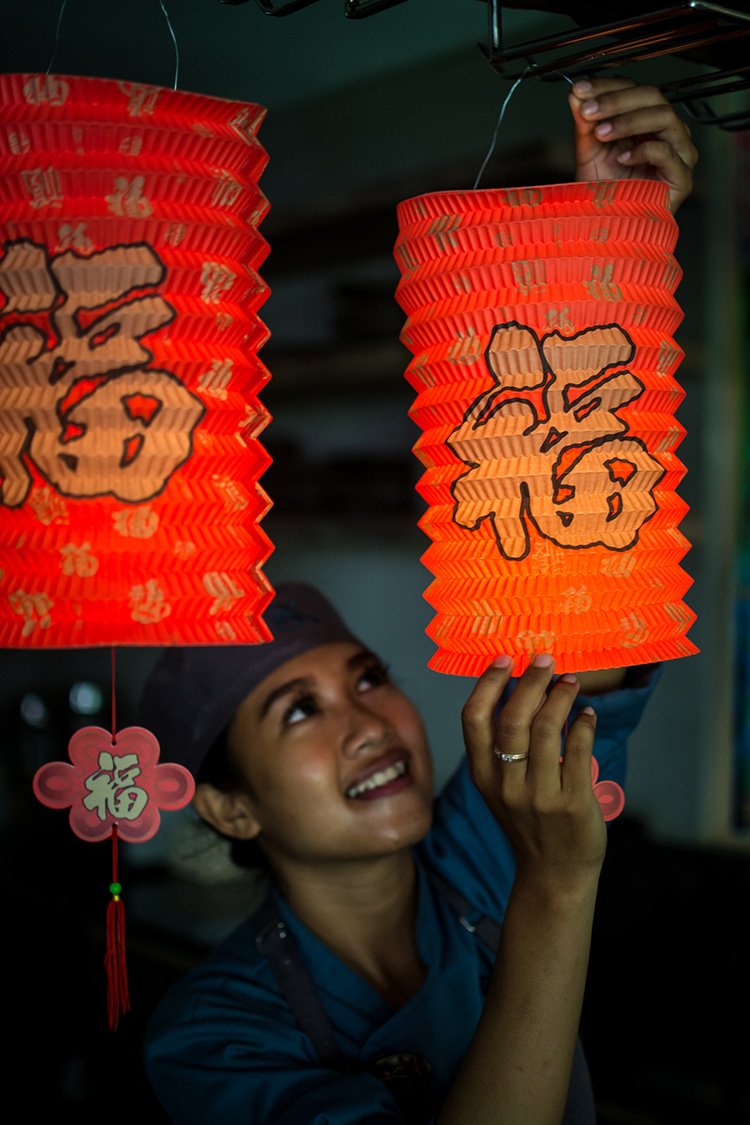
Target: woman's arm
{"x":517,"y":1068}
{"x":623,"y":131}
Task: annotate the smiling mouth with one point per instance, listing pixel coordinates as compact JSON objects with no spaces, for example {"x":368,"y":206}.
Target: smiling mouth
{"x":379,"y":779}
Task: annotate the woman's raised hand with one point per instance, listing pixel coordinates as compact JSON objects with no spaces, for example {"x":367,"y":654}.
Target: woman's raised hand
{"x":546,"y":806}
{"x":623,"y":130}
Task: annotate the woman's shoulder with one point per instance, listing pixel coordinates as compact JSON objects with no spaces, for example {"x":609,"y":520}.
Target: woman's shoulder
{"x":235,"y":974}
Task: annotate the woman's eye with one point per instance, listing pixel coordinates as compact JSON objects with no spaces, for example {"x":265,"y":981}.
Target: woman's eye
{"x":299,"y":710}
{"x":373,"y":676}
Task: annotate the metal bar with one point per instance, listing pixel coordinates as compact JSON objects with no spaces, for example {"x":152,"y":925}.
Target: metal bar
{"x":278,"y":10}
{"x":730,"y":13}
{"x":730,"y":122}
{"x":653,"y":48}
{"x":637,"y":48}
{"x":360,"y":9}
{"x":723,"y":83}
{"x":582,"y":35}
{"x":494,"y":25}
{"x":703,"y":31}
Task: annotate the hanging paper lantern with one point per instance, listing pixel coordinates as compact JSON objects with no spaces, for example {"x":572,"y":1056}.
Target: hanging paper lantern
{"x":129,"y":375}
{"x":129,"y":414}
{"x":541,"y":324}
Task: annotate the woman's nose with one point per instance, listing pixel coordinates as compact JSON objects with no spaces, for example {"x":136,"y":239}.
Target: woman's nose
{"x":368,"y":733}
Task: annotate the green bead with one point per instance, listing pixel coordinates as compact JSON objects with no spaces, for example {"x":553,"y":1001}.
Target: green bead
{"x":115,"y":888}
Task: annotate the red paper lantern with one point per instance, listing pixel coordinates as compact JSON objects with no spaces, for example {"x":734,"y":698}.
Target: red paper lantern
{"x":129,"y":375}
{"x":130,"y":500}
{"x":541,"y":324}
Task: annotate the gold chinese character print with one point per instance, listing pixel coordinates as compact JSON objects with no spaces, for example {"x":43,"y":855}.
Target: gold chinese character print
{"x":78,"y":400}
{"x":547,"y":448}
{"x":112,"y":788}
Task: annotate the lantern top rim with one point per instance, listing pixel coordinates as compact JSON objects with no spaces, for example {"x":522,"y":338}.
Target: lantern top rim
{"x":64,"y":95}
{"x":642,"y":191}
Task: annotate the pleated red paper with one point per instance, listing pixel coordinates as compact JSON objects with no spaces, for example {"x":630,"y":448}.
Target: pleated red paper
{"x":129,"y":374}
{"x":541,"y":325}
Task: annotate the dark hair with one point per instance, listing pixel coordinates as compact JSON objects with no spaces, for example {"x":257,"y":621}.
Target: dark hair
{"x":219,"y":769}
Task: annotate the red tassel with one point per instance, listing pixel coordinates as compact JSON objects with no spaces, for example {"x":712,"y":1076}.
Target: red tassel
{"x":115,"y":962}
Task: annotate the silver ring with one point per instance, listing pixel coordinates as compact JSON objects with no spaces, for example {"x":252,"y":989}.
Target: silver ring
{"x":510,"y":757}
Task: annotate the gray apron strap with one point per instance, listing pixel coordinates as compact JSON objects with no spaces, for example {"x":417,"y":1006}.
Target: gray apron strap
{"x":276,"y":943}
{"x":486,"y":929}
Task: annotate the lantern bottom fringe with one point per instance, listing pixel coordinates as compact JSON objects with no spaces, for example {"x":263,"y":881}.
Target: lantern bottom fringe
{"x":474,"y":663}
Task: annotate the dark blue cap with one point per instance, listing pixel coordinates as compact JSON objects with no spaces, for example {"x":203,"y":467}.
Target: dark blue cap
{"x":193,"y":692}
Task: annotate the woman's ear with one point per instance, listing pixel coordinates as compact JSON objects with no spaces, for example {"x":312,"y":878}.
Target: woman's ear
{"x":230,"y":813}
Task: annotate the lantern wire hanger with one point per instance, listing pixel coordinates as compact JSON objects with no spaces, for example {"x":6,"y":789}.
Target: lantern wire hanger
{"x":711,"y":35}
{"x":58,"y":28}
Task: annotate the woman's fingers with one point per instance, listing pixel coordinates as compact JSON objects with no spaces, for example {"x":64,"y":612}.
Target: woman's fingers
{"x":521,"y":743}
{"x":548,"y":731}
{"x":579,"y":749}
{"x":628,"y":130}
{"x":529,"y":700}
{"x":541,"y":796}
{"x":477,"y":718}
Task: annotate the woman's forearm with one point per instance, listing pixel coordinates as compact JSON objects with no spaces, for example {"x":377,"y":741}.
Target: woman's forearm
{"x":517,"y":1068}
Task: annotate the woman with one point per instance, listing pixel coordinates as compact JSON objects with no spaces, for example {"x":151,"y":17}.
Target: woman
{"x":416,"y":960}
{"x":325,"y":768}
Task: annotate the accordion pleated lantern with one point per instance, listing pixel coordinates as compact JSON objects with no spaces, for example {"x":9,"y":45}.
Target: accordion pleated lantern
{"x":129,"y":377}
{"x":541,"y":325}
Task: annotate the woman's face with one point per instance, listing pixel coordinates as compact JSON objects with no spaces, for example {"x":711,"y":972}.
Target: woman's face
{"x":335,"y":758}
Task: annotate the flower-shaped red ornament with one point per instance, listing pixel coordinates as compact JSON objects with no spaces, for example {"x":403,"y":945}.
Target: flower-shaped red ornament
{"x":114,"y":782}
{"x":609,"y":794}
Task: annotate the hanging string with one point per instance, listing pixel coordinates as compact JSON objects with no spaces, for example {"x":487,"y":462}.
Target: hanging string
{"x":114,"y":701}
{"x":570,"y":82}
{"x":169,"y":25}
{"x":174,"y":40}
{"x":501,"y":117}
{"x":565,"y":78}
{"x":115,"y":961}
{"x":57,"y":35}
